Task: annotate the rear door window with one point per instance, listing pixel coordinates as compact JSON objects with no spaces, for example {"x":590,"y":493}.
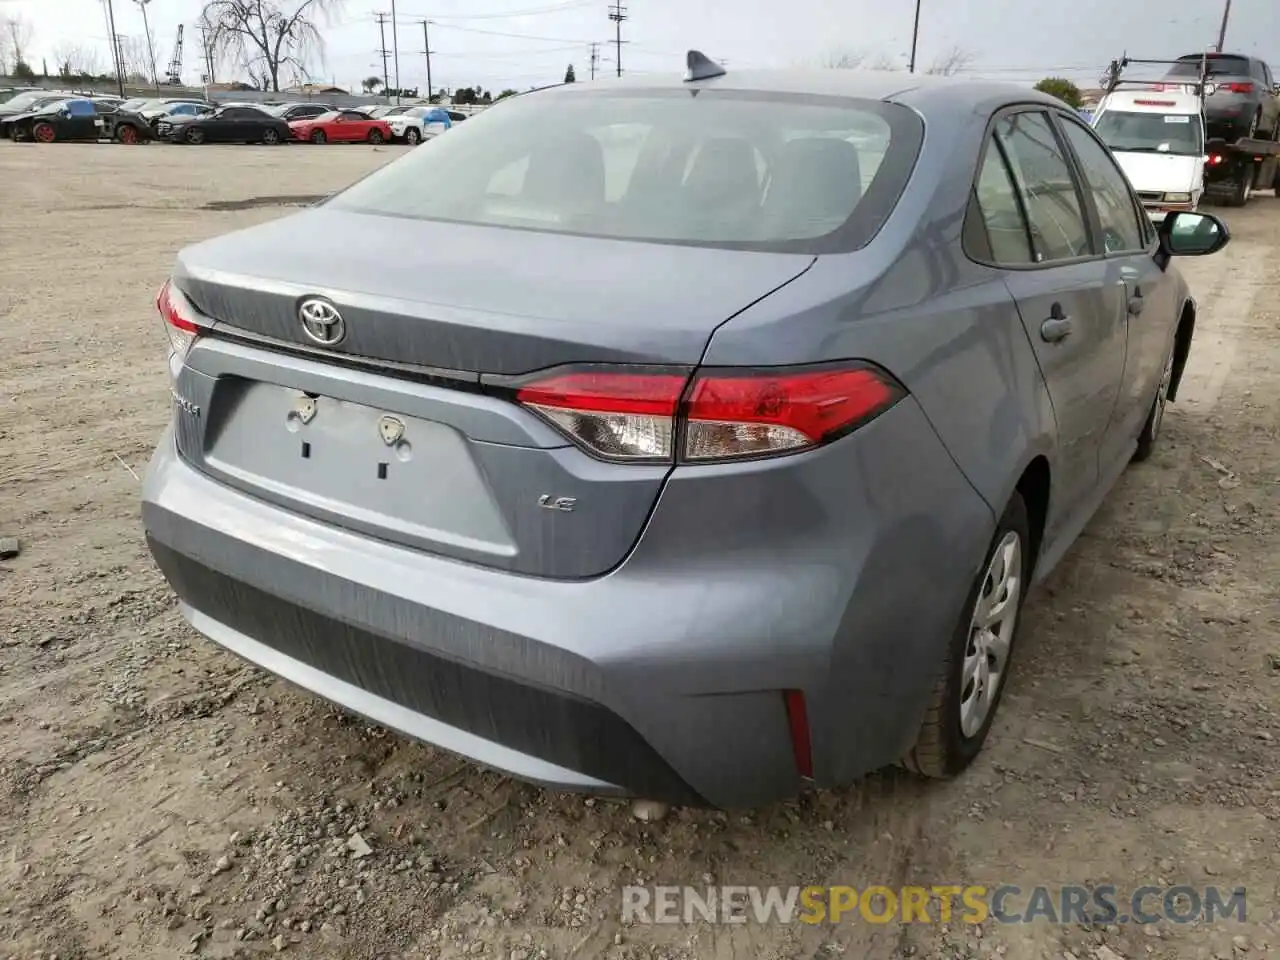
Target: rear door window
{"x":995,"y":205}
{"x":1050,"y":194}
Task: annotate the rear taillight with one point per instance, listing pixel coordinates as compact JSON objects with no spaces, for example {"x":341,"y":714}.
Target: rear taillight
{"x":181,"y":322}
{"x":721,"y":414}
{"x":1238,"y":87}
{"x":1215,"y":159}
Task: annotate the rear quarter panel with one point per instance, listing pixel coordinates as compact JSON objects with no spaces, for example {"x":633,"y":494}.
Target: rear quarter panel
{"x":912,"y":302}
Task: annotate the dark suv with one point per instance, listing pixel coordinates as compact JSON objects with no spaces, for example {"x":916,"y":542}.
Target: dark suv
{"x":1243,"y":97}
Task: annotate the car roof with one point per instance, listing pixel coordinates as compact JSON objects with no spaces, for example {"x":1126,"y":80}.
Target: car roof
{"x":921,"y":92}
{"x":1151,"y":101}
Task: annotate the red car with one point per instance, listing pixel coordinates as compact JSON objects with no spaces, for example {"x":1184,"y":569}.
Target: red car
{"x":341,"y":126}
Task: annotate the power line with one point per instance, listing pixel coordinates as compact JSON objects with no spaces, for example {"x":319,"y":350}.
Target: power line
{"x":618,"y":13}
{"x":532,"y":12}
{"x":514,"y":36}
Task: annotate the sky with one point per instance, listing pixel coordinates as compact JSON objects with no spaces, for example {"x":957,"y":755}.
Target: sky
{"x":524,"y":43}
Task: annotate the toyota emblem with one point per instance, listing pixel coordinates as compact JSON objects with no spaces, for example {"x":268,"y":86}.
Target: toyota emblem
{"x":321,"y":321}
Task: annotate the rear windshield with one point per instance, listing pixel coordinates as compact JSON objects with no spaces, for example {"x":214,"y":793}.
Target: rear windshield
{"x":1217,"y":67}
{"x":724,"y":168}
{"x":1175,"y":133}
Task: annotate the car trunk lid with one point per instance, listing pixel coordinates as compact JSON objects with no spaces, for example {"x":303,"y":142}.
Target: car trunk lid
{"x":349,"y":435}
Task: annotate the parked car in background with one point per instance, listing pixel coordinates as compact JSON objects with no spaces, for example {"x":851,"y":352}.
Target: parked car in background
{"x":232,"y":123}
{"x":289,"y":112}
{"x":154,"y":111}
{"x":74,"y":119}
{"x":28,"y":101}
{"x":683,"y":488}
{"x":1242,"y":97}
{"x":1158,"y":138}
{"x":133,"y":120}
{"x":341,"y":126}
{"x":416,"y":124}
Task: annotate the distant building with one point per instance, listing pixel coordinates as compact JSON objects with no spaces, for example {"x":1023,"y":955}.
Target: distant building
{"x":316,"y":89}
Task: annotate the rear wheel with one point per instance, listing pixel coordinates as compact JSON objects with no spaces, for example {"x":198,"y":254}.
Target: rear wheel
{"x":127,"y":133}
{"x":44,"y":133}
{"x":968,"y":689}
{"x":1155,"y":419}
{"x":317,"y":136}
{"x":1243,"y":189}
{"x":376,"y":137}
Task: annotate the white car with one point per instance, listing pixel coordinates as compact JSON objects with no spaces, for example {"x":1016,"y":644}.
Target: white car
{"x":1158,"y":138}
{"x":418,"y":123}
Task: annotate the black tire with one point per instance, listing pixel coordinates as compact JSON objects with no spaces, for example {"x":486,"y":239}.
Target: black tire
{"x":1243,"y":189}
{"x":318,"y":136}
{"x":376,"y":137}
{"x":412,"y":136}
{"x":942,"y":748}
{"x":194,"y":137}
{"x":127,"y":133}
{"x":271,"y":137}
{"x":1155,"y":416}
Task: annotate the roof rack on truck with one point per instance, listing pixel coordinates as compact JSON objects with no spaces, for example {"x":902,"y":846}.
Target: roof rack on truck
{"x":1114,"y":78}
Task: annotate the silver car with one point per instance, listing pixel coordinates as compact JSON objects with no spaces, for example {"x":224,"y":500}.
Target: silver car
{"x":697,"y":462}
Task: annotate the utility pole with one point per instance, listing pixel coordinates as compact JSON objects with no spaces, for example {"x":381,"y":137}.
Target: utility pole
{"x":382,"y":32}
{"x":426,"y":49}
{"x":151,"y":50}
{"x":1222,"y":33}
{"x":618,"y":13}
{"x":115,"y":41}
{"x":395,"y":47}
{"x":915,"y":39}
{"x":208,"y":54}
{"x":595,"y":58}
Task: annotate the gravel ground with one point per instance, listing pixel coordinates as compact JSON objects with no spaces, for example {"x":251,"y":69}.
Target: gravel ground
{"x":161,"y":798}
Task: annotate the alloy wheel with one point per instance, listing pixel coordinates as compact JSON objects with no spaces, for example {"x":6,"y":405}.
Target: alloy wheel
{"x":991,"y":629}
{"x":1162,"y":398}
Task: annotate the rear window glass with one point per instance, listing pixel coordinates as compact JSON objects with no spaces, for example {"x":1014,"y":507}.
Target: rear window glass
{"x":804,"y":174}
{"x":1217,"y":67}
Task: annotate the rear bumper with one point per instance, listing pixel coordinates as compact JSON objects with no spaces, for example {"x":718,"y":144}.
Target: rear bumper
{"x":839,"y":573}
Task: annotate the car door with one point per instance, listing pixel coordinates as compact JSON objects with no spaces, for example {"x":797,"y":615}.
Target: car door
{"x":79,"y":121}
{"x":1270,"y":99}
{"x":1149,"y":294}
{"x":346,"y":126}
{"x":228,"y":126}
{"x":1058,"y":280}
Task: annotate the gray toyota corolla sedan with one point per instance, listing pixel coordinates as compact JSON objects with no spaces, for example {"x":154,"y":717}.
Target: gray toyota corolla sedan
{"x":685,"y":439}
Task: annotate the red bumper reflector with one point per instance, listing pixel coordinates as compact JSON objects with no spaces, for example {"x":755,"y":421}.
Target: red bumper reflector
{"x":798,"y":719}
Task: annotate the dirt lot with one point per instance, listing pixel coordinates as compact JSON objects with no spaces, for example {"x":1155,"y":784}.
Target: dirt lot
{"x":162,"y":799}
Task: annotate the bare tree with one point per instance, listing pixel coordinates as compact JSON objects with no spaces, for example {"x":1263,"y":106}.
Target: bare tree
{"x":265,"y":36}
{"x":73,"y":60}
{"x":845,"y":59}
{"x":951,"y":62}
{"x":135,"y":60}
{"x":885,"y":62}
{"x":4,"y":45}
{"x":17,"y":39}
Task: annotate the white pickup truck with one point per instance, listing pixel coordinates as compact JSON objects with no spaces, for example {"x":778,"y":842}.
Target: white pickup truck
{"x":1158,"y":138}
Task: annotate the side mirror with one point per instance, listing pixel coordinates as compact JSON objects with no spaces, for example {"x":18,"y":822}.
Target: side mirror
{"x":1186,"y":234}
